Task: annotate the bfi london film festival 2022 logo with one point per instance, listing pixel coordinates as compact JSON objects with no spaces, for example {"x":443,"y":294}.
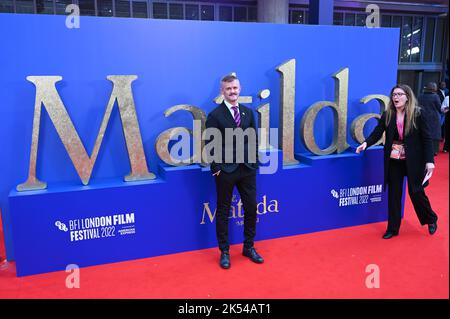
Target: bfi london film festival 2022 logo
{"x":98,"y":227}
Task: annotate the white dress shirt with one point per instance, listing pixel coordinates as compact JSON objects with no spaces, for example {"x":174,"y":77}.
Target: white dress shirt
{"x":444,"y":107}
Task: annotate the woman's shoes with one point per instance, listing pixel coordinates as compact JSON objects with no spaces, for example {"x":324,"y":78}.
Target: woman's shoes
{"x":432,"y":228}
{"x":389,"y":234}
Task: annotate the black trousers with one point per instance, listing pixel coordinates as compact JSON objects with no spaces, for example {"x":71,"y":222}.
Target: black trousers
{"x":420,"y":201}
{"x":436,"y":147}
{"x":244,"y":179}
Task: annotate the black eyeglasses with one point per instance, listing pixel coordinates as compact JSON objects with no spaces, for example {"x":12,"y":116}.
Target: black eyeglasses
{"x":398,"y":94}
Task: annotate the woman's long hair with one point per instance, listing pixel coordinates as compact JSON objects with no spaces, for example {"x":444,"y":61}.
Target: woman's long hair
{"x":411,"y":108}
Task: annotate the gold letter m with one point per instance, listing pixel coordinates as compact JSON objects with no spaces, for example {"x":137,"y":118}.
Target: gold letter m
{"x":47,"y":95}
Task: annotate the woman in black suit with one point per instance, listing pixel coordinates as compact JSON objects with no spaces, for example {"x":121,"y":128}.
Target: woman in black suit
{"x":408,"y":151}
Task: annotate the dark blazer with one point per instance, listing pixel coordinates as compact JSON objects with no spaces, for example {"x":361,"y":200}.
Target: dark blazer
{"x":418,"y":149}
{"x":431,"y":109}
{"x":221,"y":119}
{"x":441,"y":95}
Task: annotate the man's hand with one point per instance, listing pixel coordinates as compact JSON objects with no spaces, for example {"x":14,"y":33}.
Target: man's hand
{"x":362,"y":147}
{"x":216,"y":173}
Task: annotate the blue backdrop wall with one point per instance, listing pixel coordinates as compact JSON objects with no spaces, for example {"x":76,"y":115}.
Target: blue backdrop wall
{"x":177,"y":62}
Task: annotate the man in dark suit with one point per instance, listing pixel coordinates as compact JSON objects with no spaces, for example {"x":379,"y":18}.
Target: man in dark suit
{"x":443,"y":91}
{"x":431,"y":106}
{"x":235,"y":164}
{"x":445,"y":110}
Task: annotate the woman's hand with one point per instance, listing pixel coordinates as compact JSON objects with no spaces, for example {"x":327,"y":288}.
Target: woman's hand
{"x":362,"y":147}
{"x":429,"y":167}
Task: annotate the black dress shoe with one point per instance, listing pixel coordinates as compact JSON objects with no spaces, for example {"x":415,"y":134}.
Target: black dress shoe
{"x":389,"y":234}
{"x":432,"y":228}
{"x":225,"y":260}
{"x":253,"y":255}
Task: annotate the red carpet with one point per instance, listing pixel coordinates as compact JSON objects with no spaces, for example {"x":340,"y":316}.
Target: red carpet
{"x":329,"y":264}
